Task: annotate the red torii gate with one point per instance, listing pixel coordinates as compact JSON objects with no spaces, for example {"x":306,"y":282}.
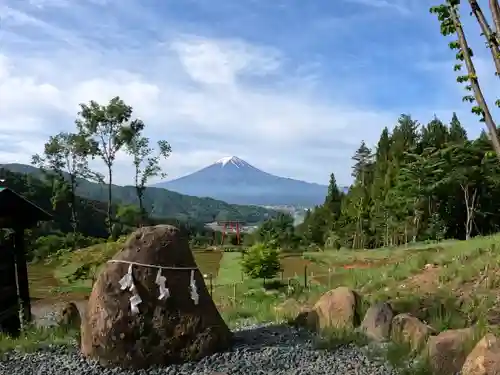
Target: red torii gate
{"x":234,"y":226}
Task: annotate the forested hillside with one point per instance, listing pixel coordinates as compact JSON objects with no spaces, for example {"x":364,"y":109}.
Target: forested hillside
{"x":419,"y":183}
{"x":161,"y":202}
{"x":92,"y":213}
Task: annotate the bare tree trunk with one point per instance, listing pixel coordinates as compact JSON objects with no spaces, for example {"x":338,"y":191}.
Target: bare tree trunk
{"x":74,"y":208}
{"x":416,"y":224}
{"x":386,"y":239}
{"x":495,"y":12}
{"x":110,"y":201}
{"x":406,"y":234}
{"x":478,"y":94}
{"x":470,"y":207}
{"x":142,"y":211}
{"x":488,"y":33}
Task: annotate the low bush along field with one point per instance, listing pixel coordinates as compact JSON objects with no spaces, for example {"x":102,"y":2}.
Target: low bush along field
{"x":449,"y":284}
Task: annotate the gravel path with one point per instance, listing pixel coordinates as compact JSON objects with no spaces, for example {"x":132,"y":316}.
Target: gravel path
{"x":264,"y":349}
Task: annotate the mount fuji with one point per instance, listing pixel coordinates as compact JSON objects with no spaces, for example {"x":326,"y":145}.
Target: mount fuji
{"x":233,"y":180}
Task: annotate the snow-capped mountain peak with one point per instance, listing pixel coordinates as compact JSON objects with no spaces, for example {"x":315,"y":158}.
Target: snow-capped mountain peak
{"x":236,"y":181}
{"x":234,"y":160}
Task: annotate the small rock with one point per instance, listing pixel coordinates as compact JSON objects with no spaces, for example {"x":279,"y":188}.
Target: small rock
{"x":407,"y":329}
{"x":447,"y":351}
{"x":337,"y":309}
{"x":307,"y":319}
{"x":70,"y":316}
{"x":484,"y":358}
{"x":377,"y":322}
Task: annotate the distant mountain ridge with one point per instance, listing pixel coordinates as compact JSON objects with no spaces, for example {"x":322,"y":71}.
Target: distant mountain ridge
{"x":233,"y":180}
{"x":162,"y":203}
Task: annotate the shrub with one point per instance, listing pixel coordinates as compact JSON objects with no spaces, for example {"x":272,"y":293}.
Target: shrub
{"x":261,"y":262}
{"x":53,"y":244}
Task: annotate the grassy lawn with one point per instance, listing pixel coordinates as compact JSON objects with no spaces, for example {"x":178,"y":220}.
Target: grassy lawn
{"x":230,"y":269}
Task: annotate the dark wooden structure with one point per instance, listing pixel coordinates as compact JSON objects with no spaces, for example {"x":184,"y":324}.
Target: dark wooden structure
{"x":16,"y":215}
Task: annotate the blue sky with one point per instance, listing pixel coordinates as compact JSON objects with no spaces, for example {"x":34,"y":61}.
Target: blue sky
{"x":290,"y":86}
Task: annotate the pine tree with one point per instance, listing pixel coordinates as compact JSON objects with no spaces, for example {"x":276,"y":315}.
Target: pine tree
{"x":457,"y":132}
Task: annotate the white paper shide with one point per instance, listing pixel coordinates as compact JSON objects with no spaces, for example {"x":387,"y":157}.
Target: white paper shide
{"x":161,"y":282}
{"x":127,"y":283}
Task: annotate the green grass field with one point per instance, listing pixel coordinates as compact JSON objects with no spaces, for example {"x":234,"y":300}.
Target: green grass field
{"x":48,"y":279}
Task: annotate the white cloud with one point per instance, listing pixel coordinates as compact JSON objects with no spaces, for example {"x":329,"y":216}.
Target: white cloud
{"x":401,"y":6}
{"x":209,"y":96}
{"x":222,"y":61}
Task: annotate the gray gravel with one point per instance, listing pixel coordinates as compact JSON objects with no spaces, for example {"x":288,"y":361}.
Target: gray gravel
{"x":263,"y":349}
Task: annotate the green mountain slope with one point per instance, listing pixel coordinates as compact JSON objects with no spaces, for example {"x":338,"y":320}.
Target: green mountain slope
{"x":161,"y":202}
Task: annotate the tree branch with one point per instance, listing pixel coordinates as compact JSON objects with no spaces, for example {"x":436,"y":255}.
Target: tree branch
{"x":478,"y":94}
{"x":488,"y":33}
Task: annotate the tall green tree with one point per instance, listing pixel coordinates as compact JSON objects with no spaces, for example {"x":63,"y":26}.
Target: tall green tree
{"x":464,"y":176}
{"x":379,"y":223}
{"x":146,"y":162}
{"x":458,"y":134}
{"x":109,"y":128}
{"x":64,"y":162}
{"x":362,"y":171}
{"x":333,"y":199}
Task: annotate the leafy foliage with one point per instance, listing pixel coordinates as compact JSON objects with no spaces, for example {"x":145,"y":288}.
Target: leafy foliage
{"x":64,"y":162}
{"x":278,"y":232}
{"x":146,"y":164}
{"x":421,"y":182}
{"x":261,"y":262}
{"x":108,"y":129}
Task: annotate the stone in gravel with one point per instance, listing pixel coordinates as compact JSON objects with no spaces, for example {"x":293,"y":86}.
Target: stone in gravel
{"x":337,"y":309}
{"x":70,"y":316}
{"x":484,"y":358}
{"x":447,"y":351}
{"x":407,"y":329}
{"x":164,"y":331}
{"x":377,"y":322}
